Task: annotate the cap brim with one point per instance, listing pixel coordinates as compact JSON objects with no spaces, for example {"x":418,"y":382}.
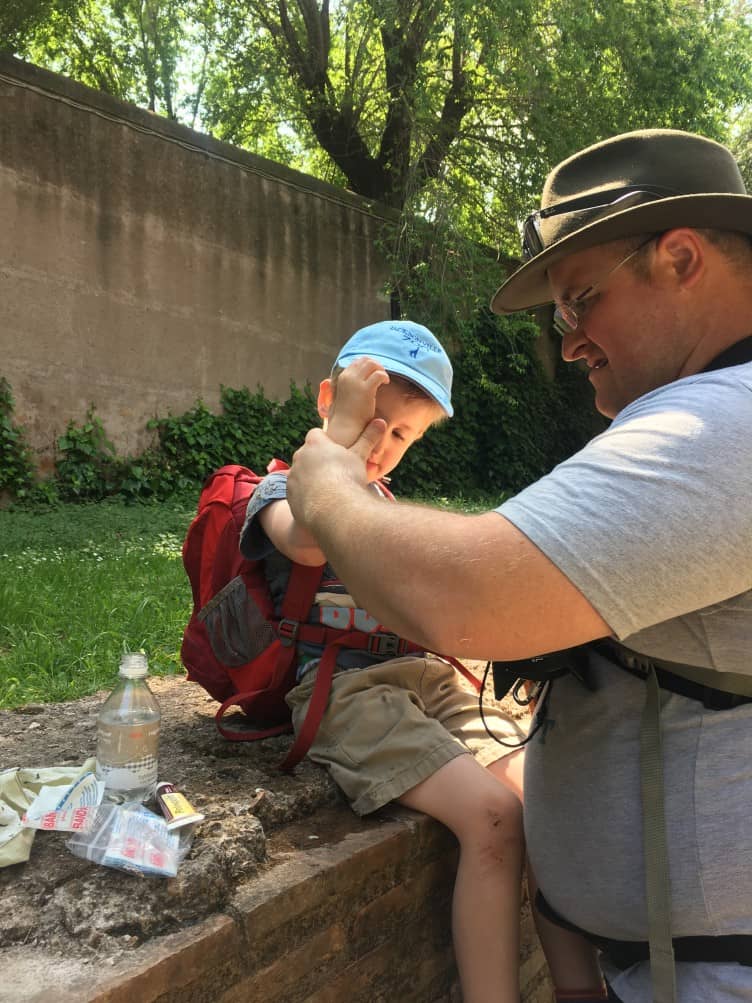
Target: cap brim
{"x":528,"y":286}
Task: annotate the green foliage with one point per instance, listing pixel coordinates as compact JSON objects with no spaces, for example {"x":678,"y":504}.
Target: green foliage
{"x":741,"y":144}
{"x":20,"y":20}
{"x":511,"y":424}
{"x":448,"y":107}
{"x":16,"y":467}
{"x":250,"y":430}
{"x":85,"y":467}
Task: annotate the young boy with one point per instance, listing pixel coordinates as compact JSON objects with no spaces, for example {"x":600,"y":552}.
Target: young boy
{"x":403,"y":728}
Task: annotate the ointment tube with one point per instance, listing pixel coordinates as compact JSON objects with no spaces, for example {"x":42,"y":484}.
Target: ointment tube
{"x":176,"y":808}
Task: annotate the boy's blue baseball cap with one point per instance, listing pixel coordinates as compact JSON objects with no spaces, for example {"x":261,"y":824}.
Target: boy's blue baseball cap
{"x":406,"y":349}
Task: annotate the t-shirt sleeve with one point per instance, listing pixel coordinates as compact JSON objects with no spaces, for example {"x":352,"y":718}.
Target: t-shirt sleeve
{"x":254,"y":543}
{"x":652,"y":519}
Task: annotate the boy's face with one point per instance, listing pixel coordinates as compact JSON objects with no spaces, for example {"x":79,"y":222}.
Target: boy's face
{"x":406,"y":417}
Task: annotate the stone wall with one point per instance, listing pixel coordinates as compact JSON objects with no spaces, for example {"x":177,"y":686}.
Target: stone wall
{"x":143,"y":265}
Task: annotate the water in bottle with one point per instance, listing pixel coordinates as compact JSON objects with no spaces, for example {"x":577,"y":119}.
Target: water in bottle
{"x":128,"y":735}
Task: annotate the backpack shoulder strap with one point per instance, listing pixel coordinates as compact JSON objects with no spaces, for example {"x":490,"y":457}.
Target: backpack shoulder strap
{"x":301,"y":591}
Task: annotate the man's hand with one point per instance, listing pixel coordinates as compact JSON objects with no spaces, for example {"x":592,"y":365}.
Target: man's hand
{"x":322,"y":469}
{"x":355,"y":400}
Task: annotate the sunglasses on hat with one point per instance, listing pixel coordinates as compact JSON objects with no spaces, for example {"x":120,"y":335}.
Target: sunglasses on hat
{"x":623,"y":198}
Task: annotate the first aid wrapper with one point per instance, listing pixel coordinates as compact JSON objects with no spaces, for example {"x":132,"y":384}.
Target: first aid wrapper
{"x":68,"y":809}
{"x":130,"y":837}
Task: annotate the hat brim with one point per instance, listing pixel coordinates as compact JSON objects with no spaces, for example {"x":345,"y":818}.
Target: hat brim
{"x":528,"y":287}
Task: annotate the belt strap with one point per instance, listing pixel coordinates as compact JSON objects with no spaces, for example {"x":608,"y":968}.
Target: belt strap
{"x":729,"y":949}
{"x":717,"y":691}
{"x":655,"y":848}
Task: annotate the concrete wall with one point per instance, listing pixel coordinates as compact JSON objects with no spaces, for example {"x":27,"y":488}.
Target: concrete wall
{"x":142,"y":264}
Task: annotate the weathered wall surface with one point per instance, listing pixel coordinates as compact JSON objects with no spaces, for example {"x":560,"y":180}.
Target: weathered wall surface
{"x":142,"y":264}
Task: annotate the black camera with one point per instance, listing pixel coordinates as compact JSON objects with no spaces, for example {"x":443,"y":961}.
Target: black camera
{"x":541,"y":669}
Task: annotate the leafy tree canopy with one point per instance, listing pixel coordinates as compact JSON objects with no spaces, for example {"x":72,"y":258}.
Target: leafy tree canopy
{"x":454,"y":108}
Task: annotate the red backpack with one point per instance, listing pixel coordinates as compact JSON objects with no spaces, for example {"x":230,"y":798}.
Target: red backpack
{"x":234,"y":645}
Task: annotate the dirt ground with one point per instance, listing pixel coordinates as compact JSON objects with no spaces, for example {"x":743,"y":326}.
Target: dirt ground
{"x":69,"y":909}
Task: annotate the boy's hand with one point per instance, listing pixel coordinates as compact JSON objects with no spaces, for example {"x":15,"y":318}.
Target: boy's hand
{"x":355,"y":400}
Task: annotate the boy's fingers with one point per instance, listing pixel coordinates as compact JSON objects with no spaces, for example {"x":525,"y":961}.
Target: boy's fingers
{"x":366,"y":368}
{"x":376,"y":379}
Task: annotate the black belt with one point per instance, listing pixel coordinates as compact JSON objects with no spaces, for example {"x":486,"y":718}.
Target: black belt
{"x":731,"y":948}
{"x":710,"y":697}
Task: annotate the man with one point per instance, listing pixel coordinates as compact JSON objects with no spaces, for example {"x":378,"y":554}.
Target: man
{"x":644,"y":536}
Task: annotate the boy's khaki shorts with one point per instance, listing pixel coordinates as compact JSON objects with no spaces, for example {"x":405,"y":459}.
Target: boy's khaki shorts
{"x":388,"y":727}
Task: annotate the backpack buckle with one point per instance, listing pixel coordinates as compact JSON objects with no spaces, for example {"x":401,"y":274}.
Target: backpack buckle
{"x":384,"y":644}
{"x":287,"y":631}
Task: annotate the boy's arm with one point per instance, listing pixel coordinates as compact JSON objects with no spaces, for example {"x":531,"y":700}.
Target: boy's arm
{"x":288,"y":537}
{"x":355,"y":405}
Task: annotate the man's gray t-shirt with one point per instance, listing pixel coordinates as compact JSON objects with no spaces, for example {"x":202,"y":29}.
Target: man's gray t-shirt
{"x":652,"y":521}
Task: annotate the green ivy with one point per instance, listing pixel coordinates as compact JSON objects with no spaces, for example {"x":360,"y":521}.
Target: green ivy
{"x":511,"y":422}
{"x":250,"y":430}
{"x":86,"y":468}
{"x":16,"y":465}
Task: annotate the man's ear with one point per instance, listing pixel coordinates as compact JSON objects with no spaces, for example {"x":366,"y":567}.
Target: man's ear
{"x":325,"y":399}
{"x":681,"y":253}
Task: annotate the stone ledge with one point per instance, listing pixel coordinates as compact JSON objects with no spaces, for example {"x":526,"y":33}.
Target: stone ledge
{"x":296,"y":900}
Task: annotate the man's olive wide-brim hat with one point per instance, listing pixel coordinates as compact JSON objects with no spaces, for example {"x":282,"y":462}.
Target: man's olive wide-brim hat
{"x":639,"y":182}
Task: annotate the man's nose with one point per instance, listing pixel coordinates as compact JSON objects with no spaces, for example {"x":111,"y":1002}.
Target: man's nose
{"x":573,"y":345}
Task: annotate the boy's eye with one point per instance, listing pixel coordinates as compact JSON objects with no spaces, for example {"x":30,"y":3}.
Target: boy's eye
{"x":398,"y":435}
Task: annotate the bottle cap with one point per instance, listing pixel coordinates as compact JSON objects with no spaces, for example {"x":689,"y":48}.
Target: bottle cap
{"x":134,"y":665}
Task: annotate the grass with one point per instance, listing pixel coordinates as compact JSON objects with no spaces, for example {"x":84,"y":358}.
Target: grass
{"x":81,"y":584}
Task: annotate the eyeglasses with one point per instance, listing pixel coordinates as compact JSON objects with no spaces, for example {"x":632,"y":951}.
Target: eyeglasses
{"x":624,"y":198}
{"x":568,"y":314}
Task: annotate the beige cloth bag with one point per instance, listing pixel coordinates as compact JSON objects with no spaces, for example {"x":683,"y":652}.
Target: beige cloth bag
{"x":18,"y":788}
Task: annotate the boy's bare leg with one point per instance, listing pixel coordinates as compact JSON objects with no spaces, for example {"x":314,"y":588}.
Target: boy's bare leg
{"x":510,"y":771}
{"x":572,"y":960}
{"x":486,"y":818}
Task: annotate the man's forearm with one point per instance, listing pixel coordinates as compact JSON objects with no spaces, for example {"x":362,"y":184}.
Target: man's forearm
{"x":461,"y":585}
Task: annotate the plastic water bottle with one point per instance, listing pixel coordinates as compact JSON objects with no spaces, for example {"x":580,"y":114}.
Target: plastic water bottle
{"x":128,"y":735}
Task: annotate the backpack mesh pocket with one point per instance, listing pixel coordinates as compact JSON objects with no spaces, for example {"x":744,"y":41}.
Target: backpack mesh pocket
{"x":238,"y":631}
